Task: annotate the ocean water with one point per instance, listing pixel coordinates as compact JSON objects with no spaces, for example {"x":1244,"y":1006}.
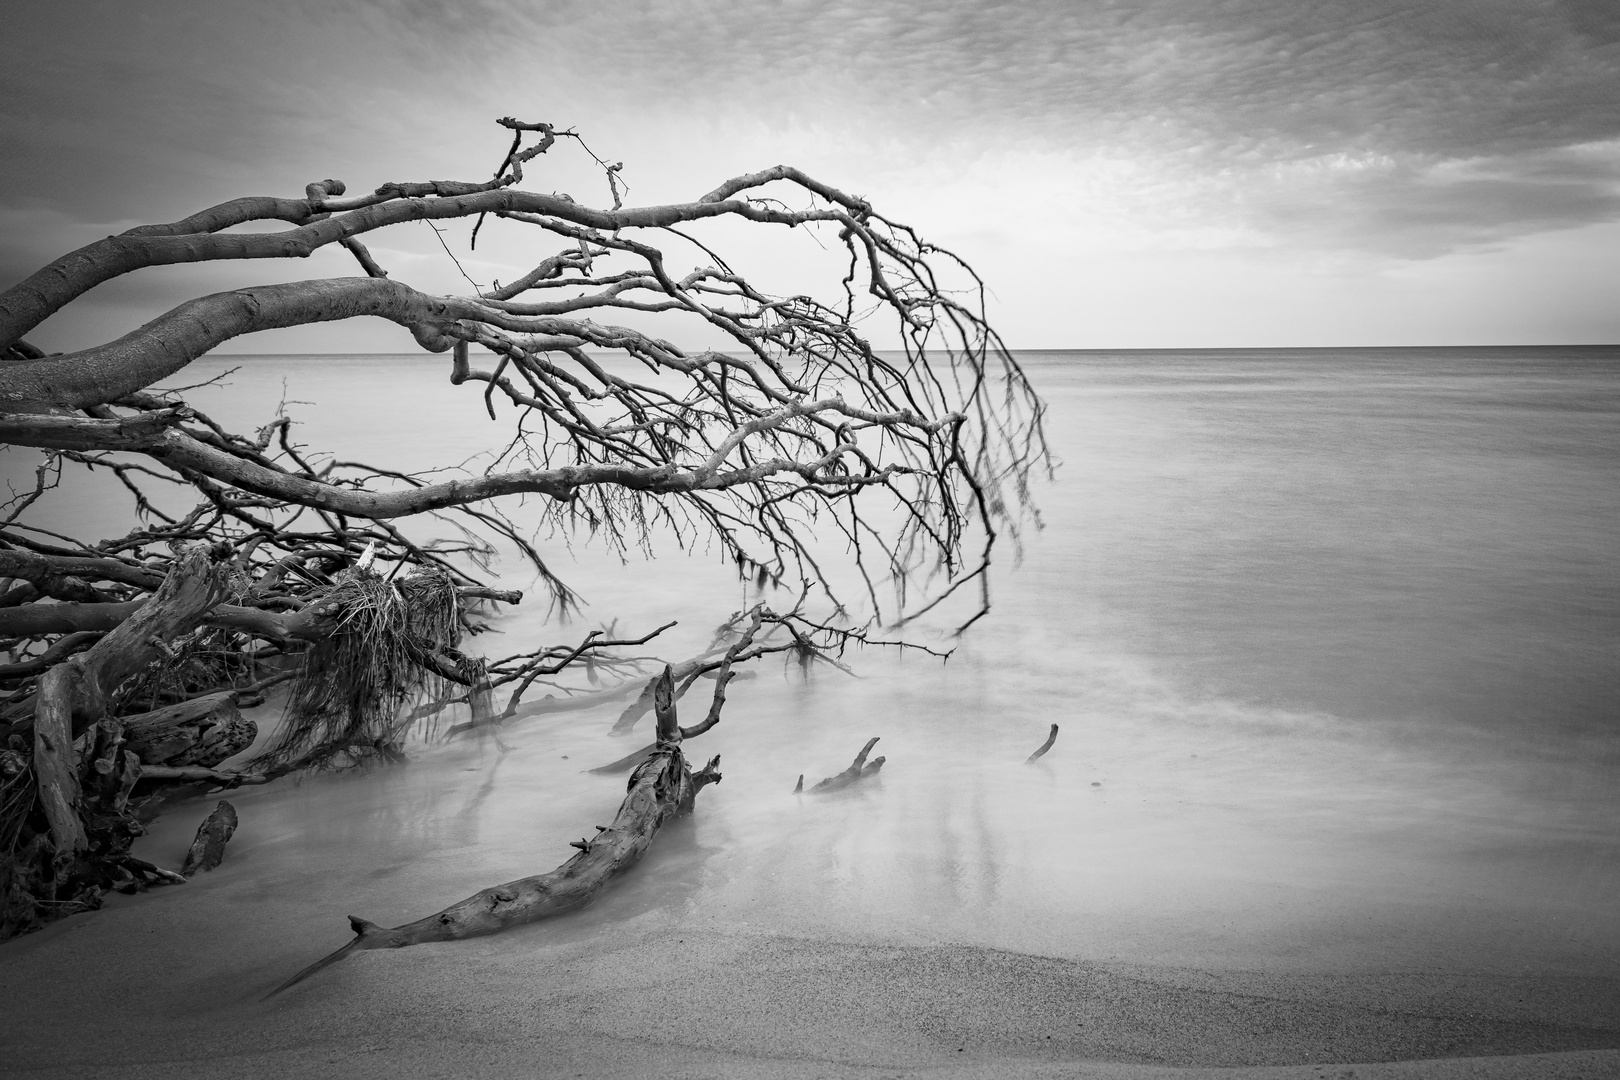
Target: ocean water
{"x":1332,"y":636}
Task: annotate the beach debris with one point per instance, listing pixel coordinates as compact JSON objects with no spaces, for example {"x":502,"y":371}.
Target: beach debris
{"x":208,"y":849}
{"x":1043,"y":748}
{"x":661,"y":788}
{"x":859,"y":769}
{"x":143,"y":874}
{"x":201,"y":731}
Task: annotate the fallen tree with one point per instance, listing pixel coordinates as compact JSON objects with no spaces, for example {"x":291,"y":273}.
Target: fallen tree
{"x":253,"y":563}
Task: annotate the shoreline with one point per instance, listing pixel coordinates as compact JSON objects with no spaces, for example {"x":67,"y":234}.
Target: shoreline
{"x":691,"y":997}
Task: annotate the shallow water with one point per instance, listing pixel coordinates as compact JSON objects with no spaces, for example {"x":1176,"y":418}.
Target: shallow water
{"x":1331,"y":636}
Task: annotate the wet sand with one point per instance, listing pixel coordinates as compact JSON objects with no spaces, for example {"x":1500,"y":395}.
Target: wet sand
{"x":136,"y":991}
{"x":878,"y":933}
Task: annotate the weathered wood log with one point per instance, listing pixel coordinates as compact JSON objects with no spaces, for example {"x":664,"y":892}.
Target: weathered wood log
{"x":84,"y":849}
{"x":37,"y":568}
{"x":203,"y":731}
{"x":208,"y":849}
{"x":306,"y":624}
{"x":201,"y":774}
{"x":1044,"y":747}
{"x":195,"y":585}
{"x":859,"y":769}
{"x":55,"y":770}
{"x":661,"y":788}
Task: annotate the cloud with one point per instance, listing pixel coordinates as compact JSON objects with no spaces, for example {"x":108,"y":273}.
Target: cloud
{"x":1381,"y":127}
{"x":1259,"y":109}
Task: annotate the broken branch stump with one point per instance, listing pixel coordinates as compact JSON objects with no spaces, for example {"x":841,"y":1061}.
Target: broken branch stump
{"x":859,"y":769}
{"x":208,"y":849}
{"x":1044,"y":747}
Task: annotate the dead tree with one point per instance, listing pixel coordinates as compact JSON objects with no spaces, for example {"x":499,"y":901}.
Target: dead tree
{"x":253,"y":562}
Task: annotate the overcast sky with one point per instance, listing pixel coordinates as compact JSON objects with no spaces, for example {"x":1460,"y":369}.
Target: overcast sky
{"x":1125,"y":173}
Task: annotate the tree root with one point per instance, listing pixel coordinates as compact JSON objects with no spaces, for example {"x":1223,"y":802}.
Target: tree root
{"x":859,"y":769}
{"x":661,"y":788}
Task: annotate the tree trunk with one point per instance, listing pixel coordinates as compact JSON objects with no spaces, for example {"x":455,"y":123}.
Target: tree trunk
{"x":203,"y":732}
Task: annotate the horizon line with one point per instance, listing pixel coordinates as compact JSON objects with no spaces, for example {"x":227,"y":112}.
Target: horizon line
{"x":1028,"y":349}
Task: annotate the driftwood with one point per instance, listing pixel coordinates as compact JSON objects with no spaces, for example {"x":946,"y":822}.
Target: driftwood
{"x":740,"y":448}
{"x":859,"y":769}
{"x":1044,"y":747}
{"x":684,"y":674}
{"x":661,"y":788}
{"x":203,"y":731}
{"x":84,"y":849}
{"x":201,"y":774}
{"x":208,"y":849}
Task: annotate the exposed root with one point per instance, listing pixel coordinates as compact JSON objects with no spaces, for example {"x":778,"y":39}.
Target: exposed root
{"x":353,"y":682}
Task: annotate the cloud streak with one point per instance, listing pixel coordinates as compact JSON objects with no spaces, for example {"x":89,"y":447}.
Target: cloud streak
{"x":1384,"y":127}
{"x":1255,"y":106}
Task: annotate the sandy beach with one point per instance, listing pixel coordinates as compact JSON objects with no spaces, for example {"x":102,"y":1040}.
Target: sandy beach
{"x":111,"y":995}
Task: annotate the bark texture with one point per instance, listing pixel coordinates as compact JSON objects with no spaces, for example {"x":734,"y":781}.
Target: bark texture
{"x":208,"y":849}
{"x":66,"y":858}
{"x":203,"y":731}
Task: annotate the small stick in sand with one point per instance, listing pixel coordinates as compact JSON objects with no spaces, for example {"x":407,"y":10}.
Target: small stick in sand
{"x":1045,"y":746}
{"x":859,"y":769}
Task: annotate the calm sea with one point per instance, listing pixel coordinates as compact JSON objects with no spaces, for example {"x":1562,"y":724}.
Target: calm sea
{"x":1333,"y":637}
